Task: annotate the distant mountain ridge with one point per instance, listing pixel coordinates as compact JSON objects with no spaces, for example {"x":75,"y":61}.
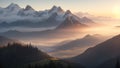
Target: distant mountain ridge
{"x":75,"y":47}
{"x":71,"y":22}
{"x":87,"y":40}
{"x":55,"y":16}
{"x":102,"y":52}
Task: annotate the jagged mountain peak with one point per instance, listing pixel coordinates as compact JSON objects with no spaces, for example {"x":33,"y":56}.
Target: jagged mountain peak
{"x":68,"y":12}
{"x":71,"y":19}
{"x":86,"y":20}
{"x":12,"y":5}
{"x":54,"y":7}
{"x":57,"y":9}
{"x":28,"y":7}
{"x":56,"y":13}
{"x":60,"y":9}
{"x":71,"y":22}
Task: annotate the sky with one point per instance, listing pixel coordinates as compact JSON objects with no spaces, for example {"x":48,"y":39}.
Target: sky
{"x":96,"y":7}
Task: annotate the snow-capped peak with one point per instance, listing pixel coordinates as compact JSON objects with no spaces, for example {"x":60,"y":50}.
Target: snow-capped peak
{"x":54,"y":9}
{"x":68,"y":12}
{"x":28,"y":7}
{"x":56,"y":14}
{"x":60,"y":9}
{"x":86,"y":20}
{"x":13,"y":6}
{"x":71,"y":23}
{"x":27,"y":11}
{"x":71,"y":20}
{"x":10,"y":10}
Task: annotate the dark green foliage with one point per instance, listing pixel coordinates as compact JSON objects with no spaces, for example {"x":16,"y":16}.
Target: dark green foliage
{"x":26,"y":56}
{"x":53,"y":64}
{"x":16,"y":55}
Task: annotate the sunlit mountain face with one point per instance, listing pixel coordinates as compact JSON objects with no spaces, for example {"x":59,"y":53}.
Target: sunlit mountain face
{"x":68,"y":33}
{"x":54,"y":24}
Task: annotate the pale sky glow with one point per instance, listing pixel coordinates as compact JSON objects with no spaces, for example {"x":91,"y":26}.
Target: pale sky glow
{"x":116,"y":11}
{"x":97,"y":7}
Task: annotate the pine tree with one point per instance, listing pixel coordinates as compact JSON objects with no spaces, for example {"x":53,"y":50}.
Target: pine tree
{"x":52,"y":64}
{"x":117,"y":64}
{"x":29,"y":66}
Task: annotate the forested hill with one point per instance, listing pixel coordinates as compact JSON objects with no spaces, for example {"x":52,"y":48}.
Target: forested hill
{"x":15,"y":55}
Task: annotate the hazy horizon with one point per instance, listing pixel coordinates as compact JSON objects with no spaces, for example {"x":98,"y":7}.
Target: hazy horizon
{"x":59,"y":32}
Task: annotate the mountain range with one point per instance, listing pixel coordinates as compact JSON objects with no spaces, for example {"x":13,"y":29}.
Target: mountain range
{"x":29,"y":35}
{"x":87,"y":40}
{"x":91,"y":50}
{"x":14,"y":16}
{"x":71,"y":48}
{"x":100,"y":54}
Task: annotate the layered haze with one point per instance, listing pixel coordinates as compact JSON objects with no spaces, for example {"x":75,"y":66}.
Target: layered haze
{"x":55,"y":28}
{"x":59,"y":33}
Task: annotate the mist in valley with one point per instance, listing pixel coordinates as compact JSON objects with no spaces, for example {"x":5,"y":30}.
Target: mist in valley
{"x":48,"y":39}
{"x":63,"y":36}
{"x":103,"y":30}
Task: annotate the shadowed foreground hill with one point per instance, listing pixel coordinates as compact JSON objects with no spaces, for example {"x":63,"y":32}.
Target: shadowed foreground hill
{"x":111,"y":63}
{"x":26,"y":56}
{"x":16,"y":55}
{"x":53,"y":64}
{"x":100,"y":53}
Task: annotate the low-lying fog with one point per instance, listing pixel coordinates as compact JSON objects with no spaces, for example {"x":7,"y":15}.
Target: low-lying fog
{"x":107,"y":29}
{"x":25,"y":29}
{"x":48,"y":42}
